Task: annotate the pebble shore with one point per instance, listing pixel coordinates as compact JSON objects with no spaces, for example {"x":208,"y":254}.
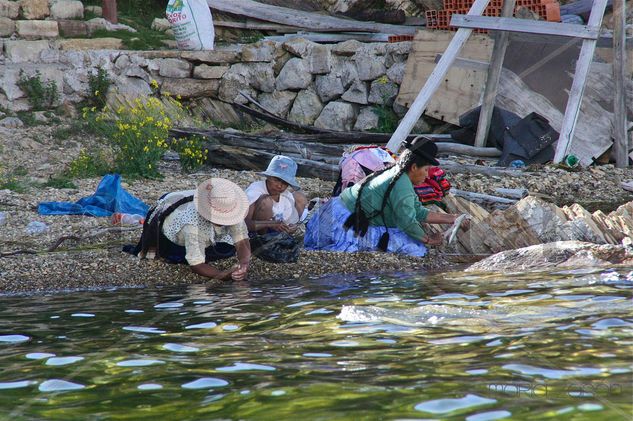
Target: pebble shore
{"x":95,"y":260}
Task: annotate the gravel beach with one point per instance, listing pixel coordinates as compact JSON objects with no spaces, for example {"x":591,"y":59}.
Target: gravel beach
{"x":90,"y":256}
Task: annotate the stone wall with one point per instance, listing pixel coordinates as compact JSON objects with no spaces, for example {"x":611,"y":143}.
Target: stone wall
{"x":51,"y":19}
{"x":330,"y":86}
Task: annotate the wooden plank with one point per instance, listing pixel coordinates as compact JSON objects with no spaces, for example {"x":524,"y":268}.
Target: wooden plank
{"x":461,"y":88}
{"x":574,"y":102}
{"x":308,"y":20}
{"x":525,"y":25}
{"x":492,"y":80}
{"x":331,"y":38}
{"x":434,"y":81}
{"x":621,"y":144}
{"x":255,"y":26}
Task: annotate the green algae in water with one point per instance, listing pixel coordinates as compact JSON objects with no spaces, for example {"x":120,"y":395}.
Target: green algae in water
{"x":449,"y":346}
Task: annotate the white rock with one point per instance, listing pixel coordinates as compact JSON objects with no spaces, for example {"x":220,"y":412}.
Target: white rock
{"x":337,"y":116}
{"x":383,"y":91}
{"x":367,"y":120}
{"x":345,"y":69}
{"x":299,"y":47}
{"x":232,"y":83}
{"x":204,"y":71}
{"x":261,"y":51}
{"x":329,"y":87}
{"x":278,"y":102}
{"x":545,"y":219}
{"x":7,"y":27}
{"x":11,"y":123}
{"x":294,"y":75}
{"x":160,"y":24}
{"x":319,"y":60}
{"x":369,"y":66}
{"x":9,"y":9}
{"x":67,"y":9}
{"x":37,"y":29}
{"x":347,"y":48}
{"x":24,"y":51}
{"x":34,"y":9}
{"x":306,"y":107}
{"x":96,"y":24}
{"x":173,"y":67}
{"x":357,"y":93}
{"x":396,"y":73}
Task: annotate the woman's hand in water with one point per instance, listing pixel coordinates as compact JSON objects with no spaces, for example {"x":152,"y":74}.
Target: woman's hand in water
{"x":240,"y":273}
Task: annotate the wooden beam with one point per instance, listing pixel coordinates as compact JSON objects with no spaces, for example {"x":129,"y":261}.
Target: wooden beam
{"x":578,"y":86}
{"x":331,"y":38}
{"x":492,"y":80}
{"x":620,"y":135}
{"x":525,"y":25}
{"x":434,"y":80}
{"x":313,"y":21}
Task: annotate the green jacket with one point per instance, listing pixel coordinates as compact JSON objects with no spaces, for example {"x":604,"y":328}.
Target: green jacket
{"x":403,"y":209}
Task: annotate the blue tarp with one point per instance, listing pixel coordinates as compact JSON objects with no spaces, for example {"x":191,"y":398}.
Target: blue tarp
{"x":109,"y":198}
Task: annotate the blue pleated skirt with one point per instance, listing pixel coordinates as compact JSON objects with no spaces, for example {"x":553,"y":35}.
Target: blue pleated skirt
{"x":325,"y":231}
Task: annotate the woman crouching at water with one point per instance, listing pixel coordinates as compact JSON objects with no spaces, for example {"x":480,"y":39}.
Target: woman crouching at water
{"x":186,"y":226}
{"x":383,"y":212}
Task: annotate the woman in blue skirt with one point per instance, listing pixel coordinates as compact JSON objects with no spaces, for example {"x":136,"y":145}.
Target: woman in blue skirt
{"x":383,"y":212}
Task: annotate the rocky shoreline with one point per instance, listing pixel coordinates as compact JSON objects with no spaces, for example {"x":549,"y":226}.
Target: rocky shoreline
{"x":94,"y":260}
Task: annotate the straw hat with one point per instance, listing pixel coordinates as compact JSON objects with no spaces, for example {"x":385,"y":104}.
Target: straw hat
{"x":221,"y":201}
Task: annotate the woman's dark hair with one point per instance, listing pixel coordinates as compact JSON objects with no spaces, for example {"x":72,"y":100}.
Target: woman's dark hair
{"x":359,"y":220}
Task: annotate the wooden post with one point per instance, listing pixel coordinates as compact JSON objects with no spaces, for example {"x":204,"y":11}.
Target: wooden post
{"x":109,"y":10}
{"x":492,"y":80}
{"x":434,"y":80}
{"x":578,"y":85}
{"x":620,"y":134}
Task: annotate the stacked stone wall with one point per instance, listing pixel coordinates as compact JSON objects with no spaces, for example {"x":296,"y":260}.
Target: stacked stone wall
{"x":334,"y":86}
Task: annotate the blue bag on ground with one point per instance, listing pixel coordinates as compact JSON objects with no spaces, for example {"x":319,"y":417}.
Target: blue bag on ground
{"x":109,"y":198}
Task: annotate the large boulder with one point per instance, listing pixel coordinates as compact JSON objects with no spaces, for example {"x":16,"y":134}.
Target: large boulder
{"x":556,"y":255}
{"x":34,"y":9}
{"x":37,"y":29}
{"x":306,"y":107}
{"x":9,"y":9}
{"x":24,"y":51}
{"x":67,"y":9}
{"x":329,"y":86}
{"x":278,"y":102}
{"x":7,"y":27}
{"x":294,"y":75}
{"x":545,"y":219}
{"x":357,"y":93}
{"x":367,"y":120}
{"x":174,"y":68}
{"x":337,"y":116}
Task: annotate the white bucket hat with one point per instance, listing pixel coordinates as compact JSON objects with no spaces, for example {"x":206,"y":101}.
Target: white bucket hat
{"x":284,"y":168}
{"x":221,"y":201}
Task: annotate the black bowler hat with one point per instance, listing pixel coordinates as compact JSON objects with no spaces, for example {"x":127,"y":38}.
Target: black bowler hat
{"x":424,"y":147}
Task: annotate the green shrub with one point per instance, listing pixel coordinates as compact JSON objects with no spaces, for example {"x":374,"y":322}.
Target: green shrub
{"x":191,"y":152}
{"x":99,"y":85}
{"x":60,"y":182}
{"x":387,"y":119}
{"x":41,"y":95}
{"x":88,"y":165}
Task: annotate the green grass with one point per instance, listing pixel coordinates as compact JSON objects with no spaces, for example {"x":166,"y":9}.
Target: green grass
{"x":60,"y":182}
{"x":144,"y":39}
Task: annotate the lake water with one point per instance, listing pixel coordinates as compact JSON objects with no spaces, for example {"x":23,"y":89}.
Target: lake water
{"x":442,"y":346}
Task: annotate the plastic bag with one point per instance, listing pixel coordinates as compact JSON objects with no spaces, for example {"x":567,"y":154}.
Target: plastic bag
{"x":276,"y":247}
{"x":192,"y":24}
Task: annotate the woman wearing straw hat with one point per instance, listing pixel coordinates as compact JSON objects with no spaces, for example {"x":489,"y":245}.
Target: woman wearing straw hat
{"x":272,"y":206}
{"x":382,"y":212}
{"x":184,"y":226}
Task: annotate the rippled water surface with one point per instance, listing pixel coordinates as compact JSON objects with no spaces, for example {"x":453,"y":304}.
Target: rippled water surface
{"x":448,"y":346}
